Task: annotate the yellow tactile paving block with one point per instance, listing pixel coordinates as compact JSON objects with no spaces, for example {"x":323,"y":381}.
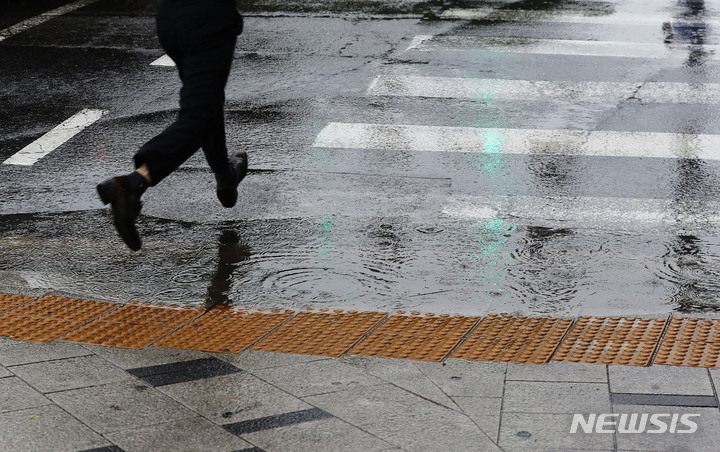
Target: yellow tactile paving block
{"x":74,"y":309}
{"x":117,"y":334}
{"x":513,"y":339}
{"x":626,"y":353}
{"x":34,"y":329}
{"x":690,"y":354}
{"x":171,"y":316}
{"x":9,"y":302}
{"x":617,"y":329}
{"x":425,"y":337}
{"x":134,"y":325}
{"x":690,"y":342}
{"x":321,"y":332}
{"x":225,"y":329}
{"x":612,"y":340}
{"x":50,"y":317}
{"x":695,"y":330}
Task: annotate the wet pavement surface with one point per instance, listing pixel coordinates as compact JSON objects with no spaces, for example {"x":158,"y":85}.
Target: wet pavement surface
{"x":382,"y":226}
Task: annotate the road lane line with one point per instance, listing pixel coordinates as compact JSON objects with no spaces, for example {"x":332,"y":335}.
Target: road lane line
{"x":47,"y":143}
{"x":519,"y":141}
{"x":164,"y":60}
{"x":424,"y":43}
{"x":537,"y":90}
{"x":44,"y":17}
{"x":491,"y":14}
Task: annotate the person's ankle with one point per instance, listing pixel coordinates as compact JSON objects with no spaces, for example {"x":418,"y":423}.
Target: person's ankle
{"x":138,"y":183}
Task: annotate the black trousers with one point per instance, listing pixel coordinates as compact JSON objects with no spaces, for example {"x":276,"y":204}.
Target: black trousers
{"x":200,"y":37}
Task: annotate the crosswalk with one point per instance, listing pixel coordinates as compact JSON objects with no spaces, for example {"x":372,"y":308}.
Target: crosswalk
{"x":618,"y":49}
{"x":672,"y":49}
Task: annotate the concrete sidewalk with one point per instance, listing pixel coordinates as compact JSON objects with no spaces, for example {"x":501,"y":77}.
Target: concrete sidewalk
{"x":61,"y":396}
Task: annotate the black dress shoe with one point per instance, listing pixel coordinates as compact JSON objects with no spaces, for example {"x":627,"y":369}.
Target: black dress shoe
{"x":238,"y":167}
{"x":125,"y":208}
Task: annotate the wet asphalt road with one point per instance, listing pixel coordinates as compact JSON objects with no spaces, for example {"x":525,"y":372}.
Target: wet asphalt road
{"x":376,"y":221}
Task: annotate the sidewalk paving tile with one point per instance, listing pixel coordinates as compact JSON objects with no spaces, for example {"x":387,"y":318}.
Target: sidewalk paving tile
{"x":46,"y":428}
{"x":4,"y":372}
{"x":15,"y":395}
{"x":555,"y":398}
{"x":329,"y":434}
{"x":120,"y":406}
{"x":253,"y":360}
{"x":535,"y":432}
{"x":715,"y":378}
{"x":13,"y":353}
{"x":402,"y":373}
{"x":484,"y":411}
{"x":150,"y":356}
{"x":466,"y":378}
{"x":558,"y":371}
{"x":70,"y":373}
{"x":660,"y":380}
{"x":704,"y":439}
{"x":192,"y":434}
{"x":238,"y":397}
{"x":317,"y":377}
{"x":403,"y":419}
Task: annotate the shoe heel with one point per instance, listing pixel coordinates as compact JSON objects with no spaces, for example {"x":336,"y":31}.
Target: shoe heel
{"x":106,"y":192}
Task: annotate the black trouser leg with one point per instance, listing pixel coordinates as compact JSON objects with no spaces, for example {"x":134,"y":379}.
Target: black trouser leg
{"x":200,"y":36}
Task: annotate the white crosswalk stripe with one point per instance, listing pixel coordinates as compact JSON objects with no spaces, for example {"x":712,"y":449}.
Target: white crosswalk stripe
{"x":633,"y":19}
{"x":164,"y":60}
{"x":42,"y":18}
{"x":430,"y":43}
{"x":519,"y":141}
{"x":539,"y":90}
{"x":53,"y":139}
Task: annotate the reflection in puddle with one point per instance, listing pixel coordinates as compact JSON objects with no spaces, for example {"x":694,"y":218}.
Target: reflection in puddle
{"x":383,"y":264}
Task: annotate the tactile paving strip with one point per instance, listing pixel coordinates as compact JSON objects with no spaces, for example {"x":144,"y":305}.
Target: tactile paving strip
{"x":611,"y":340}
{"x":9,"y":302}
{"x":424,"y":337}
{"x":34,"y":329}
{"x":513,"y":339}
{"x":617,"y":329}
{"x":50,"y":317}
{"x":74,"y":309}
{"x":321,"y":332}
{"x":134,"y":325}
{"x":225,"y":329}
{"x":690,"y":342}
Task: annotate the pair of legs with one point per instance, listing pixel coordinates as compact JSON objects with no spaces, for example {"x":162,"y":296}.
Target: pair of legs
{"x":200,"y":37}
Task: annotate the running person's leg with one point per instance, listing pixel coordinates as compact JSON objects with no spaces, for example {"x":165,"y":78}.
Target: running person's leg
{"x":200,"y":36}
